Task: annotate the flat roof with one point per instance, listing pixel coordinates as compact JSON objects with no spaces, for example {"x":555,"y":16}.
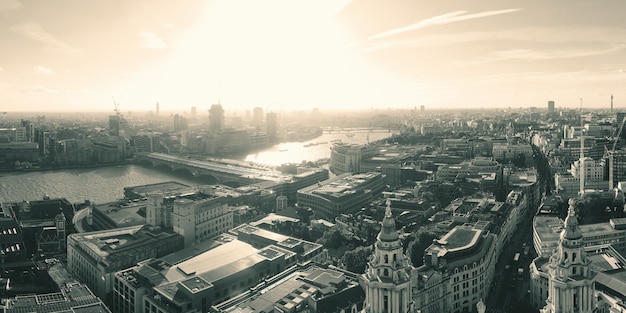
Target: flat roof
{"x":210,"y":260}
{"x":158,"y":187}
{"x":460,"y":238}
{"x":548,"y":227}
{"x":123,"y":215}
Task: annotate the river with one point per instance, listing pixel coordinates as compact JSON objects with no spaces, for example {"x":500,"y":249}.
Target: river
{"x":107,"y":184}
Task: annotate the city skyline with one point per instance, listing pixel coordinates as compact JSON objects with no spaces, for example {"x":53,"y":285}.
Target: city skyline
{"x":285,"y":55}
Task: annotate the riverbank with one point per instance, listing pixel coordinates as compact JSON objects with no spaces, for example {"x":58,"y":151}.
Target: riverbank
{"x":67,"y":167}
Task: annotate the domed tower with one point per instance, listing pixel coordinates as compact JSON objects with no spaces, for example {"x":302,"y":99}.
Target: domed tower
{"x":59,"y":222}
{"x":570,"y":286}
{"x":387,"y":278}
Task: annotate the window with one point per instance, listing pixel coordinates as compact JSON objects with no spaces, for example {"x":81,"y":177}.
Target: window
{"x":386,"y":259}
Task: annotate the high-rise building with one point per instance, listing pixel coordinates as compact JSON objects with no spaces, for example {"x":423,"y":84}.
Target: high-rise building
{"x":193,"y":111}
{"x":387,"y":278}
{"x":180,"y":123}
{"x":216,"y":118}
{"x":257,"y":117}
{"x":114,"y":125}
{"x":550,"y":106}
{"x":422,"y":108}
{"x":157,"y":109}
{"x":271,"y":124}
{"x":570,"y":284}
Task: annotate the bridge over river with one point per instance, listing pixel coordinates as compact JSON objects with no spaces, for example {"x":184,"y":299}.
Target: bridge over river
{"x":228,"y":172}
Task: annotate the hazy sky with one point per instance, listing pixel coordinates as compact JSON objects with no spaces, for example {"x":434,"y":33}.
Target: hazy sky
{"x":282,"y":55}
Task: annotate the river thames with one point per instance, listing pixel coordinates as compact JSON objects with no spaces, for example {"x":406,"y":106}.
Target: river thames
{"x":107,"y":184}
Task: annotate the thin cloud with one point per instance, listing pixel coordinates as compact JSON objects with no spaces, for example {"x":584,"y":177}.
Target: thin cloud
{"x":41,"y":89}
{"x":151,"y":40}
{"x":420,"y":24}
{"x":43,"y":70}
{"x":10,"y":5}
{"x":537,"y":55}
{"x":35,"y":31}
{"x":451,"y":17}
{"x":593,"y":34}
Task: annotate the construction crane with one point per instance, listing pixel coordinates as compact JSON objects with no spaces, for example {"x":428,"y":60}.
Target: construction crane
{"x":610,"y":153}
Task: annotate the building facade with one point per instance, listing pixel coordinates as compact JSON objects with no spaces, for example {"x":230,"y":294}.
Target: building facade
{"x":570,"y":284}
{"x":94,"y":257}
{"x":387,"y":280}
{"x":197,"y":220}
{"x":344,"y":193}
{"x":457,"y":272}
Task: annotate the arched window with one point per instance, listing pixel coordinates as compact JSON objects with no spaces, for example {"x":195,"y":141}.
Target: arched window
{"x":386,"y":259}
{"x":574,"y":257}
{"x":386,"y":273}
{"x":394,"y":257}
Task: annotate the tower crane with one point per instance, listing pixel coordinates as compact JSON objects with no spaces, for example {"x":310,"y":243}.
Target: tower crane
{"x":612,"y":152}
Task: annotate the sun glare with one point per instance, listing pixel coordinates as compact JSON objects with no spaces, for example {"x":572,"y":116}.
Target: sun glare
{"x":288,"y":54}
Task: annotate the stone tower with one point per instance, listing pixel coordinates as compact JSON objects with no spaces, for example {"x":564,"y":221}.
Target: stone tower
{"x":570,"y":286}
{"x":386,"y":281}
{"x":59,"y":222}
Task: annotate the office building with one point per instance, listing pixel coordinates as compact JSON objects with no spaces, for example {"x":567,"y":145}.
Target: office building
{"x":457,"y":272}
{"x":346,"y":158}
{"x":546,"y":231}
{"x":115,"y":124}
{"x":271,"y":124}
{"x":201,"y":276}
{"x":310,"y":287}
{"x":257,"y":117}
{"x":94,"y":257}
{"x":216,"y":118}
{"x":346,"y":193}
{"x":550,"y":106}
{"x":71,"y":298}
{"x":201,"y":217}
{"x":193,"y":111}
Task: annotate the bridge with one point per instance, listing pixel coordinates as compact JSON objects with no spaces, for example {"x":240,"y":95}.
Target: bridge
{"x":228,"y":172}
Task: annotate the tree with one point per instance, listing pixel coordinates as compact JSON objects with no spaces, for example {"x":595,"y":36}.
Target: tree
{"x":332,"y":239}
{"x":355,"y":260}
{"x":415,"y":251}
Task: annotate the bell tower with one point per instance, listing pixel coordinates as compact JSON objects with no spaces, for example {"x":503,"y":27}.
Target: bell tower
{"x":387,"y":277}
{"x":59,"y":222}
{"x":570,"y":286}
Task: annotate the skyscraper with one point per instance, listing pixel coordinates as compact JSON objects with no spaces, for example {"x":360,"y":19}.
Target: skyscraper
{"x":257,"y":117}
{"x":216,"y":118}
{"x":271,"y":124}
{"x":157,"y":109}
{"x":550,"y":106}
{"x":193,"y":111}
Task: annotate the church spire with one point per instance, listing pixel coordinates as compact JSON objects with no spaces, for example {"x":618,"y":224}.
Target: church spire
{"x":570,"y":285}
{"x":386,"y":280}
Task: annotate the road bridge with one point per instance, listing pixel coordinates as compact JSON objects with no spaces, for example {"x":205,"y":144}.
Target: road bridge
{"x":227,"y":172}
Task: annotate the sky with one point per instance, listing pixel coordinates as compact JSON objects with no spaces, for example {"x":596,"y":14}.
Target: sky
{"x":80,"y":55}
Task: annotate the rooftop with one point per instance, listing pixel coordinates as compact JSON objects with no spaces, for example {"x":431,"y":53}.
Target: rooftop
{"x":123,"y":215}
{"x":119,"y":243}
{"x":72,"y":298}
{"x":144,"y":190}
{"x":341,"y":185}
{"x":301,"y":285}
